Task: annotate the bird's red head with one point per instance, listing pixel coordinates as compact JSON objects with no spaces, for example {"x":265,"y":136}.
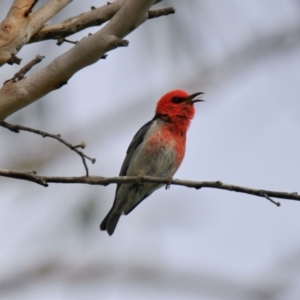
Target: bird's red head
{"x":177,"y":107}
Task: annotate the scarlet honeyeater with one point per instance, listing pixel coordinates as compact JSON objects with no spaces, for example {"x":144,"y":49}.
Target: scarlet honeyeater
{"x":157,"y":149}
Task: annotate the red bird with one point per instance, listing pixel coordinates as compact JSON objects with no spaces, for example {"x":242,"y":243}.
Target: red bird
{"x":157,"y":149}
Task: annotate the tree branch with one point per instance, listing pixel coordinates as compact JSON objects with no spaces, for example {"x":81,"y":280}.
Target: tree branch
{"x":22,"y":93}
{"x":20,"y":75}
{"x":97,"y":180}
{"x":95,"y":17}
{"x":17,"y":128}
{"x":20,"y":24}
{"x":160,"y":12}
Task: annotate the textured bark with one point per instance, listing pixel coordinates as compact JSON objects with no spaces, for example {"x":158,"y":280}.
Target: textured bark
{"x":16,"y":95}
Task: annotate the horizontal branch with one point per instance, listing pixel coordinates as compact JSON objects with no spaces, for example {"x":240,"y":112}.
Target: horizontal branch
{"x":97,"y":180}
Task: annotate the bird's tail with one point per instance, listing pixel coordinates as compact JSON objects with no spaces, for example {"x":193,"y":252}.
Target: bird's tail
{"x":110,"y":221}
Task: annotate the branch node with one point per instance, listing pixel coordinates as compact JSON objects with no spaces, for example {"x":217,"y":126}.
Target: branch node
{"x":82,"y":145}
{"x":32,"y":172}
{"x":29,"y":10}
{"x":219,"y":182}
{"x":270,"y":199}
{"x":14,"y":60}
{"x":61,"y":84}
{"x":61,"y":40}
{"x":160,"y":12}
{"x":121,"y":43}
{"x":10,"y":127}
{"x":21,"y":74}
{"x":17,"y":128}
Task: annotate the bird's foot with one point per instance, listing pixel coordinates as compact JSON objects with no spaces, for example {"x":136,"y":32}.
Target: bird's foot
{"x":140,"y":177}
{"x":169,"y":179}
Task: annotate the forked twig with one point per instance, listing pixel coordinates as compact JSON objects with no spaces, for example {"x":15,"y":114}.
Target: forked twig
{"x":18,"y":128}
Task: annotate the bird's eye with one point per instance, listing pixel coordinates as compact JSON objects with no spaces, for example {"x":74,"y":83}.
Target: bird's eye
{"x":176,"y":100}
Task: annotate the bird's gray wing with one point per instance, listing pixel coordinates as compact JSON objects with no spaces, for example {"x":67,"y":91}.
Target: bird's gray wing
{"x":136,"y":141}
{"x":110,"y":221}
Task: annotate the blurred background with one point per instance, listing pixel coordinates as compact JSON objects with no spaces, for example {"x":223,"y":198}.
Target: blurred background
{"x":180,"y":243}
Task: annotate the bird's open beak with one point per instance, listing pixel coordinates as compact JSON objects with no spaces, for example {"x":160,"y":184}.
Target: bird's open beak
{"x":191,"y":98}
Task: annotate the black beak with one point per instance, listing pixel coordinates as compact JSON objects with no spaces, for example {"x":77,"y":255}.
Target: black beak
{"x":190,"y":99}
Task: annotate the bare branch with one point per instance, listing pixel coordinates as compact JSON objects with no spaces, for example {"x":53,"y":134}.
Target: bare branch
{"x":29,"y":10}
{"x":20,"y":24}
{"x":95,"y":17}
{"x":20,"y":75}
{"x":14,"y":28}
{"x":18,"y":128}
{"x":161,"y":12}
{"x":61,"y":69}
{"x":96,"y":180}
{"x":271,"y":200}
{"x":45,"y":13}
{"x":60,"y":41}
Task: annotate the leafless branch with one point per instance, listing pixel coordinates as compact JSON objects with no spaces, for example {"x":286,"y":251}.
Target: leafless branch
{"x":271,"y":200}
{"x":18,"y":128}
{"x":161,"y":12}
{"x":21,"y":24}
{"x":15,"y":96}
{"x":97,"y":180}
{"x":95,"y":17}
{"x":20,"y":75}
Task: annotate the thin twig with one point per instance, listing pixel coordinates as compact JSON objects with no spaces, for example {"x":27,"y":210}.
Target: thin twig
{"x":96,"y":180}
{"x":20,"y":75}
{"x":18,"y":128}
{"x":160,"y":12}
{"x":271,"y":200}
{"x":61,"y":40}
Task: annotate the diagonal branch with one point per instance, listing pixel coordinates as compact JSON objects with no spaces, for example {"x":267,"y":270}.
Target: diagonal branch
{"x":20,"y":24}
{"x":95,"y":17}
{"x":20,"y":75}
{"x":97,"y":180}
{"x":18,"y":128}
{"x":86,"y":52}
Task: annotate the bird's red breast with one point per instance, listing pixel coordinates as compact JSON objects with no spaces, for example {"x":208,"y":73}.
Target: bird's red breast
{"x":165,"y":139}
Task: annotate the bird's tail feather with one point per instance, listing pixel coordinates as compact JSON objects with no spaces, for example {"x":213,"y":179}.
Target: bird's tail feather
{"x":110,"y":222}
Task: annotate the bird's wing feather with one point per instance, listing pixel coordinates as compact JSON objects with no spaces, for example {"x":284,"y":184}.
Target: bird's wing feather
{"x":110,"y":221}
{"x":136,"y":141}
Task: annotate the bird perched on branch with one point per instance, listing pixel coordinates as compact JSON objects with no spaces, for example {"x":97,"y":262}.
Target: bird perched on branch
{"x":157,"y":149}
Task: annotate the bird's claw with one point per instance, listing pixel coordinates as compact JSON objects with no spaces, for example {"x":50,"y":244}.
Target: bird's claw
{"x":140,"y":177}
{"x":169,"y":179}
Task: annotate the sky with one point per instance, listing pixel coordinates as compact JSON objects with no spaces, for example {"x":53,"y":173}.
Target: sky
{"x":180,"y":243}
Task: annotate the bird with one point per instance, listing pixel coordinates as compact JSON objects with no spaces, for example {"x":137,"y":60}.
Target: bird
{"x":157,"y":149}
